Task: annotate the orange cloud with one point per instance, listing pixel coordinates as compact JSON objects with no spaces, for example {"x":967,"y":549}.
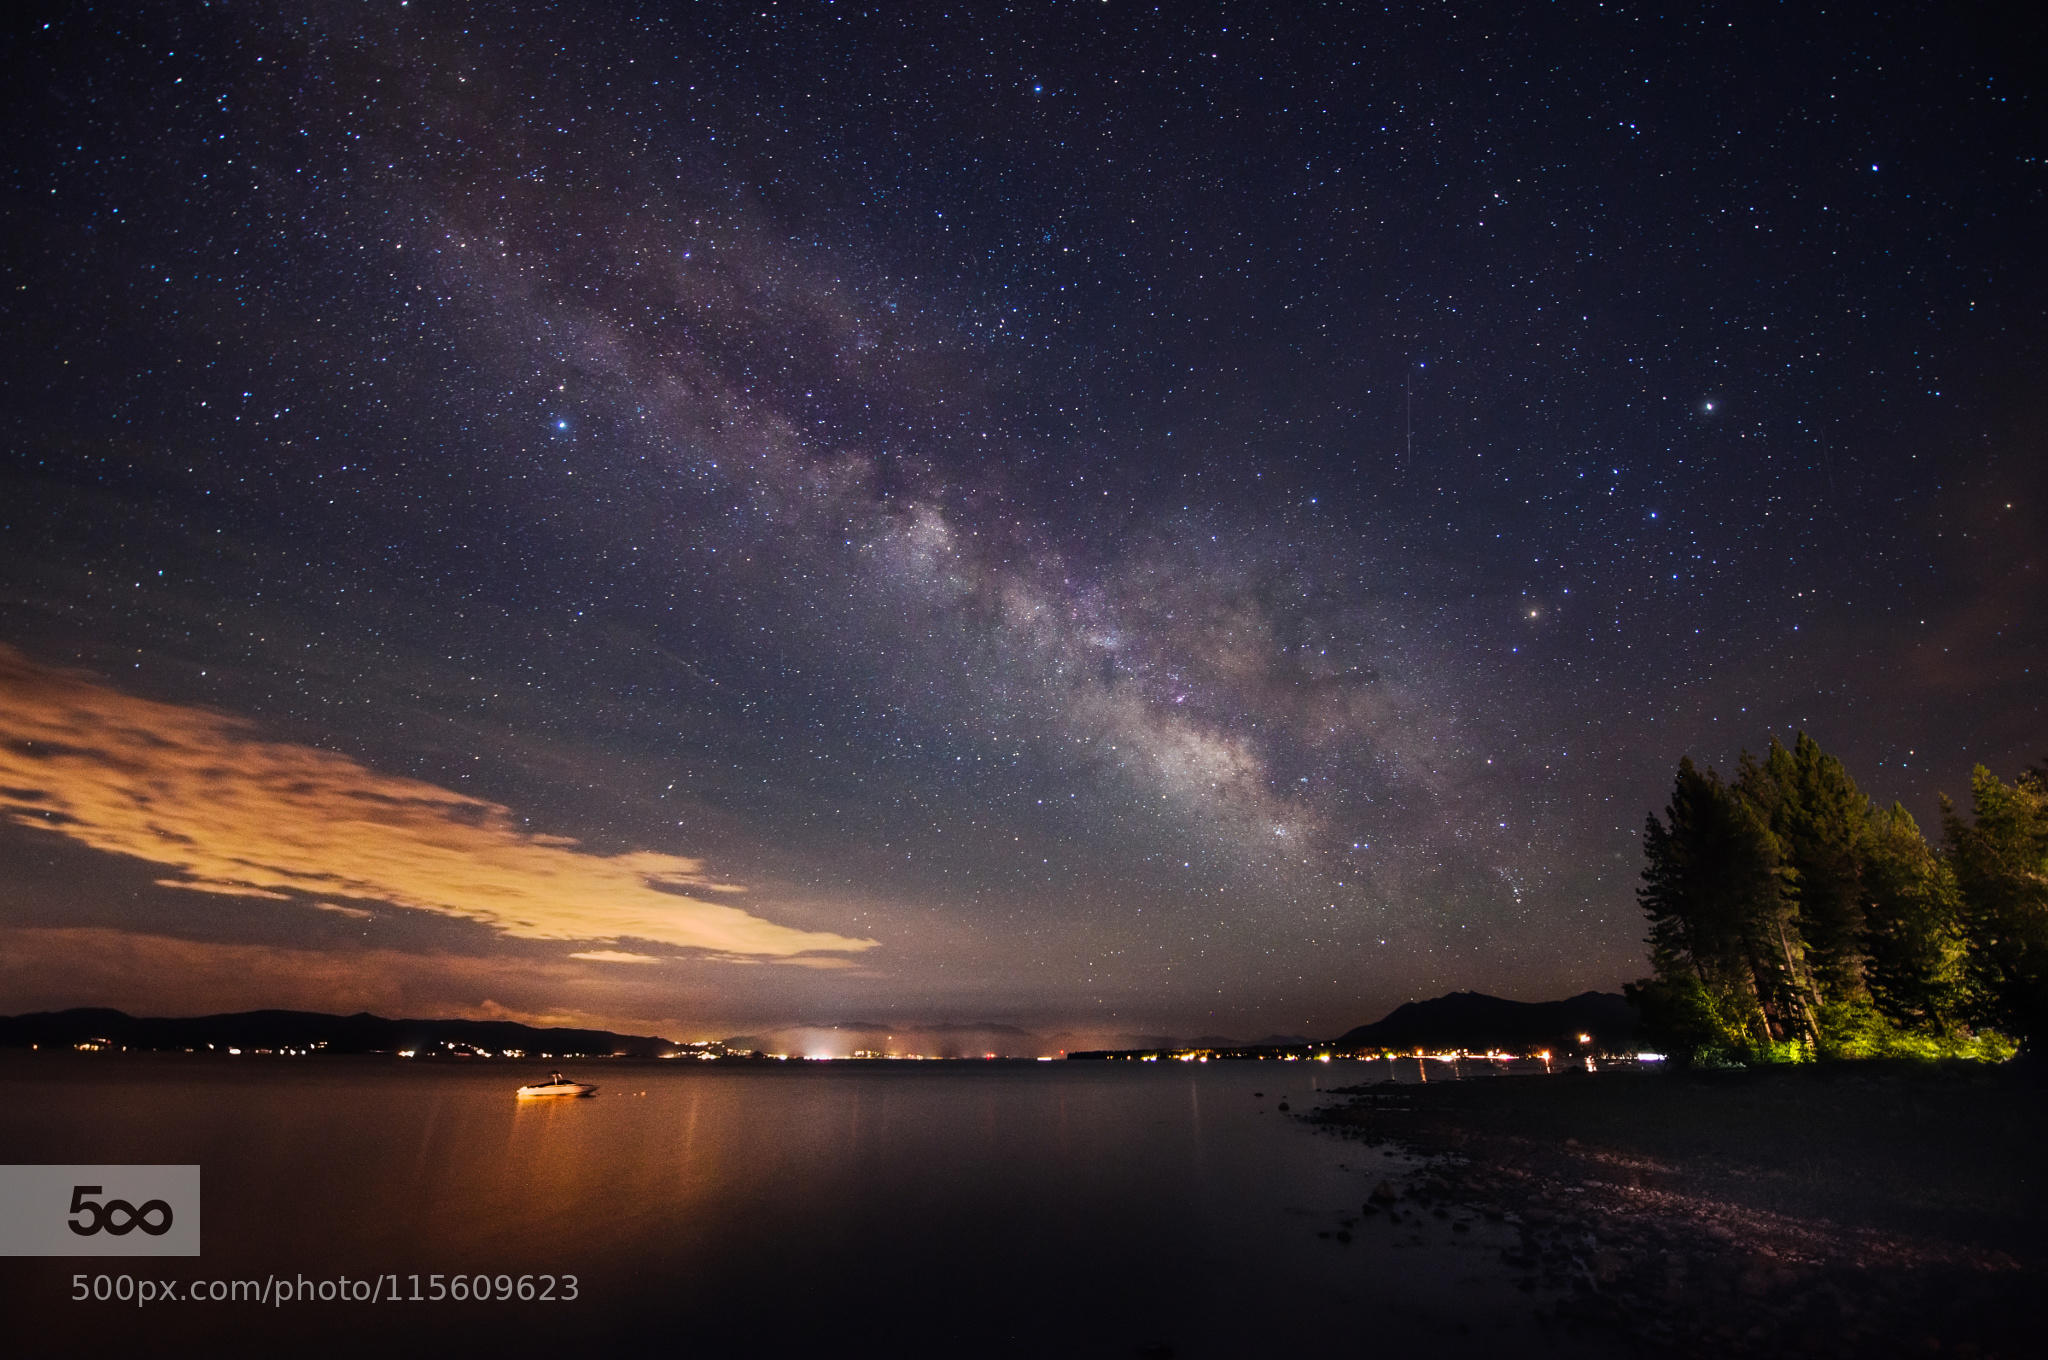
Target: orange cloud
{"x":227,"y":812}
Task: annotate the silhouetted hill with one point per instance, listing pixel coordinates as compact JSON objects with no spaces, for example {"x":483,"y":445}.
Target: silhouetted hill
{"x":360,"y":1033}
{"x":1474,"y":1020}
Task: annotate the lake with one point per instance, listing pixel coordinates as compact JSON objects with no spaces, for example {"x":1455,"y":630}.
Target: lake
{"x":1074,"y":1208}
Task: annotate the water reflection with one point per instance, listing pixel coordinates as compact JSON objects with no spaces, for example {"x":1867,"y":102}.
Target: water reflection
{"x":1067,"y":1208}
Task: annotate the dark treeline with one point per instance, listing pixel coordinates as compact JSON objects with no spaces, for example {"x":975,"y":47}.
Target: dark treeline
{"x":1790,"y":917}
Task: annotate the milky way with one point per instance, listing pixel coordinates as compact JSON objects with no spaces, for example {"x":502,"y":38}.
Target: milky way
{"x":1106,"y":520}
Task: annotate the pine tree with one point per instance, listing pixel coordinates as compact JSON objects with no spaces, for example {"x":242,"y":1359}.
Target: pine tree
{"x":1718,"y":896}
{"x":1913,"y":941}
{"x":2001,"y":869}
{"x":1822,"y":821}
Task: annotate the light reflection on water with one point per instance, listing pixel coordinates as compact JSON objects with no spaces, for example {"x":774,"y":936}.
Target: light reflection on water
{"x":1068,"y":1208}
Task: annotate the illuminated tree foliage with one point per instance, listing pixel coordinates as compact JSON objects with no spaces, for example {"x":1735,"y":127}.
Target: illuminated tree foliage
{"x":1791,"y":918}
{"x":2000,"y":859}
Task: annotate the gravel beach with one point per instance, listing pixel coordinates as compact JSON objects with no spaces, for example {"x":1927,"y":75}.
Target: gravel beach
{"x":1850,"y":1210}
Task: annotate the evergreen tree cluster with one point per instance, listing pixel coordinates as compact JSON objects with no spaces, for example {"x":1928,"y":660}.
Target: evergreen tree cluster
{"x":1790,"y":917}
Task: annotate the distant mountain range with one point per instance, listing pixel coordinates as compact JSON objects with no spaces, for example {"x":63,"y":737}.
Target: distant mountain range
{"x":1474,"y":1020}
{"x":360,"y":1033}
{"x":1460,"y":1020}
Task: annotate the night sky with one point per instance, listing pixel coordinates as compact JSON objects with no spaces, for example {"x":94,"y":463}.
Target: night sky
{"x":1108,"y":520}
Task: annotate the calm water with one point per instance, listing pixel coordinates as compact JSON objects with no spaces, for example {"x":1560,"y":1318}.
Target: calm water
{"x":1108,"y":1209}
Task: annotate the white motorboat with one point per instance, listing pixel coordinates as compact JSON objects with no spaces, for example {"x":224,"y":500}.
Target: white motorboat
{"x":557,"y":1085}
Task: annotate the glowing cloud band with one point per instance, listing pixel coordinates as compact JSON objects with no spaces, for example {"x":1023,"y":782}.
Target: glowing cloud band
{"x":228,"y":812}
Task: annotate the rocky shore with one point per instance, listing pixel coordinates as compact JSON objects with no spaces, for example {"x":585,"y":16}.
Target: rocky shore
{"x":1845,"y":1211}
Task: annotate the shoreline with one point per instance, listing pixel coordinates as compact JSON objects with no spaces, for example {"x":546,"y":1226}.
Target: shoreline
{"x":1869,"y":1209}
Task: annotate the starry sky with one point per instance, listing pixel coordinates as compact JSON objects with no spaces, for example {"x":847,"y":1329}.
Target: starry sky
{"x":1106,"y":520}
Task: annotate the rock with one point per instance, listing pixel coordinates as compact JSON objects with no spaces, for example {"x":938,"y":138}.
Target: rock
{"x":1384,"y":1193}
